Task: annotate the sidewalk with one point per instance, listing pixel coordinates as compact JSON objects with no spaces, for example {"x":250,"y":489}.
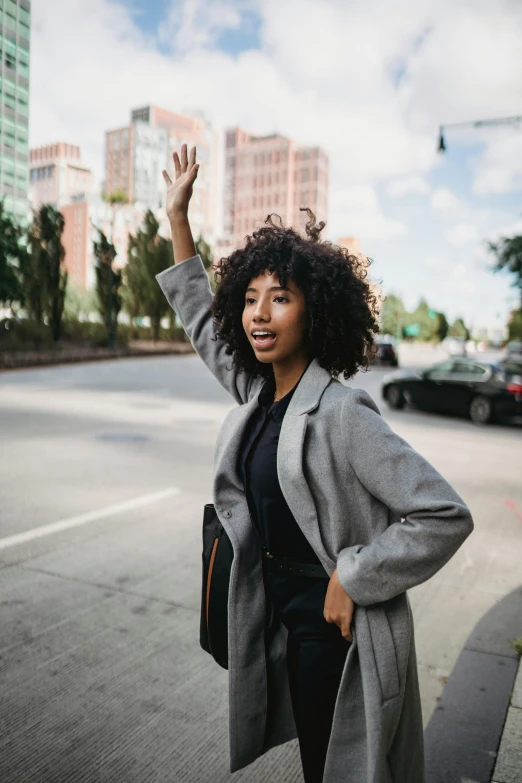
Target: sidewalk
{"x":508,"y":768}
{"x":475,"y":732}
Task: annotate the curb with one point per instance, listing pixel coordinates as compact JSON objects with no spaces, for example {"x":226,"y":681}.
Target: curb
{"x":19,"y":360}
{"x":463,"y":736}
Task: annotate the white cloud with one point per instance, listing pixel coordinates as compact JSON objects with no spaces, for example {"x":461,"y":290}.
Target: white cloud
{"x":444,"y":199}
{"x":369,"y":81}
{"x":499,"y":168}
{"x":408,"y":185}
{"x":462,"y":234}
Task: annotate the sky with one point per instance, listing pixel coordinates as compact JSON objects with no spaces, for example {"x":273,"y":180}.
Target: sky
{"x":368,"y":80}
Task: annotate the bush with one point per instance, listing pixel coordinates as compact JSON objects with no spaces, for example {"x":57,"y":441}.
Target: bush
{"x":26,"y":335}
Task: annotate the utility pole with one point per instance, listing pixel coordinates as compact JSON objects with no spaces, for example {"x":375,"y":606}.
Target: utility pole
{"x":515,"y":121}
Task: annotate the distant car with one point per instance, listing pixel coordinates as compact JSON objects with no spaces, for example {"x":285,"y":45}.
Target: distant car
{"x":386,"y":354}
{"x":464,"y":387}
{"x":514,"y":350}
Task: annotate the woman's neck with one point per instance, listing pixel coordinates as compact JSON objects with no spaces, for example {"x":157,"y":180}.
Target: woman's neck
{"x":287,"y":374}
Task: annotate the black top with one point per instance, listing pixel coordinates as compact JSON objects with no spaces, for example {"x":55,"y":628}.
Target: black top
{"x":275,"y":525}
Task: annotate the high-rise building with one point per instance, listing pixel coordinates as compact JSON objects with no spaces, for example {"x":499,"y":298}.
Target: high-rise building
{"x":57,"y":175}
{"x":15,"y":22}
{"x":135,"y":156}
{"x":265,"y":174}
{"x":83,"y":216}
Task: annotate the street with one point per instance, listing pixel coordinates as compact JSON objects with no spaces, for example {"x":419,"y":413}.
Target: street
{"x":105,"y":470}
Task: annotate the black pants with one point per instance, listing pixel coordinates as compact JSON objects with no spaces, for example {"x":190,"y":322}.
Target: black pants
{"x":316,"y":653}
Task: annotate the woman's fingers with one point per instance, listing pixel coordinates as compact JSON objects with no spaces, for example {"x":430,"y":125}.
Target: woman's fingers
{"x":345,"y":630}
{"x":193,"y":173}
{"x":177,"y":165}
{"x":166,"y":177}
{"x":192,"y":158}
{"x":184,"y":159}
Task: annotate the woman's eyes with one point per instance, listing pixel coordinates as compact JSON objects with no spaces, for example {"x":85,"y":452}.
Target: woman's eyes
{"x":250,"y":299}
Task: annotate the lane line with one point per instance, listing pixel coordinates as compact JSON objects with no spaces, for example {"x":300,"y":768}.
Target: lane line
{"x":83,"y":519}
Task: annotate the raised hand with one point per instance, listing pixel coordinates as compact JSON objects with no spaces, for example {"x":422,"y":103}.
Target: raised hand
{"x":179,"y":191}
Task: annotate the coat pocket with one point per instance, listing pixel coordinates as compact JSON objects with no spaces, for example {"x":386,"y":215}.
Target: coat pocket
{"x":384,"y":652}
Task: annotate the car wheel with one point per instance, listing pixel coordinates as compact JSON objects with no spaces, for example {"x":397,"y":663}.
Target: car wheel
{"x":480,"y":410}
{"x":395,"y":397}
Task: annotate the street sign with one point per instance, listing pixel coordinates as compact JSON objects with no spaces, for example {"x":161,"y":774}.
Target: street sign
{"x":412,"y":330}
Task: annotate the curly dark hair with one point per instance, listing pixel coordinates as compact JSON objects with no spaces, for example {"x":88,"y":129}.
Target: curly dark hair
{"x":340,"y":305}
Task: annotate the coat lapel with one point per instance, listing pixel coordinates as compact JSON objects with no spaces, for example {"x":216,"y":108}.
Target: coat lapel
{"x":290,"y":457}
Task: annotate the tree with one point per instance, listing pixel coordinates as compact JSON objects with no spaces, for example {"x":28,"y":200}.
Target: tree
{"x":392,"y":315}
{"x":508,"y":252}
{"x":441,"y":326}
{"x":43,"y":275}
{"x":10,"y":253}
{"x":459,"y":329}
{"x":205,"y":251}
{"x":515,"y":325}
{"x":108,"y":283}
{"x":148,"y":255}
{"x":425,"y":317}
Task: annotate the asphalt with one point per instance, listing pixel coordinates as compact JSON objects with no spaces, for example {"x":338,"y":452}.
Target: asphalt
{"x":105,"y":469}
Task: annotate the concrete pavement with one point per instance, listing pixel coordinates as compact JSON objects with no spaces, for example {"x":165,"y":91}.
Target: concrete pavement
{"x":102,"y":677}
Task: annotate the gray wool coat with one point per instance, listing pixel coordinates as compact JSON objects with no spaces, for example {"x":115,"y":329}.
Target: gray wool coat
{"x":370,"y":505}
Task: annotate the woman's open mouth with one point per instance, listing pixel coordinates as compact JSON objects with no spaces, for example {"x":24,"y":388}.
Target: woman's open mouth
{"x":263,"y":339}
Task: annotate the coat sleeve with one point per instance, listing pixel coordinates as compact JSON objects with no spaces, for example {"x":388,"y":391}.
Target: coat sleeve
{"x":435,"y":520}
{"x":187,"y":289}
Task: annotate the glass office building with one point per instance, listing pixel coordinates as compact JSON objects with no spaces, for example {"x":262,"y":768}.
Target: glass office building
{"x":15,"y":16}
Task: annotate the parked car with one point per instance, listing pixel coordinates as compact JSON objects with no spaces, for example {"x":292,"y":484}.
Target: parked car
{"x":386,"y":353}
{"x":465,"y":387}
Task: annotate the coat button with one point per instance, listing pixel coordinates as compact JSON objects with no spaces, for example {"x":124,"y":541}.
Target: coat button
{"x":227,"y":514}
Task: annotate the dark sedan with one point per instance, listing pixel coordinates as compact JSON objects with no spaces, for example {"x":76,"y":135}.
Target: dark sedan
{"x":386,"y":354}
{"x":463,"y":387}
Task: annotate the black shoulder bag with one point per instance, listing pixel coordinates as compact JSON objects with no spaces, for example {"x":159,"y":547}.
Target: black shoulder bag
{"x":217,"y":563}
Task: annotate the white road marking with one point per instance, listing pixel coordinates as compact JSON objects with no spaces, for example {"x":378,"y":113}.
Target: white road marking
{"x":83,"y":519}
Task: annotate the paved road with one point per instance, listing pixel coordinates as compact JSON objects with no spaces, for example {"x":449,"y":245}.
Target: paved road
{"x":105,"y":468}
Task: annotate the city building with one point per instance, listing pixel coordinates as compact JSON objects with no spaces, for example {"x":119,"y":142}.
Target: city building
{"x":353,"y":244}
{"x":136,"y":155}
{"x":265,"y":174}
{"x":57,"y":175}
{"x":82,"y":219}
{"x":15,"y":16}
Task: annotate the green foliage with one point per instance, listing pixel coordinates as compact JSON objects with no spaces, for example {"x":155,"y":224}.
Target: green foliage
{"x":204,"y":251}
{"x":393,"y":315}
{"x":79,"y":302}
{"x":441,"y":326}
{"x":10,"y":252}
{"x":116,"y":197}
{"x":515,"y":325}
{"x":508,"y":253}
{"x":108,"y":283}
{"x":459,"y":329}
{"x":149,"y":254}
{"x":424,"y":323}
{"x":44,"y":279}
{"x":427,"y":325}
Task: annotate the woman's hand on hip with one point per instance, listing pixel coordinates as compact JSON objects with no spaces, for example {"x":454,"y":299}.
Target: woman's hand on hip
{"x":338,"y":606}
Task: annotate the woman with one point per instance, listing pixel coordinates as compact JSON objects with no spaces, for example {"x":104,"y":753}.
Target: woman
{"x":332,"y":516}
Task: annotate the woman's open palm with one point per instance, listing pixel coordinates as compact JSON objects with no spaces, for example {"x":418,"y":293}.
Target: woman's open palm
{"x":179,"y":191}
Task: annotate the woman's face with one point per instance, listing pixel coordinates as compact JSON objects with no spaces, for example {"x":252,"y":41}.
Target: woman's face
{"x":279,"y":311}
